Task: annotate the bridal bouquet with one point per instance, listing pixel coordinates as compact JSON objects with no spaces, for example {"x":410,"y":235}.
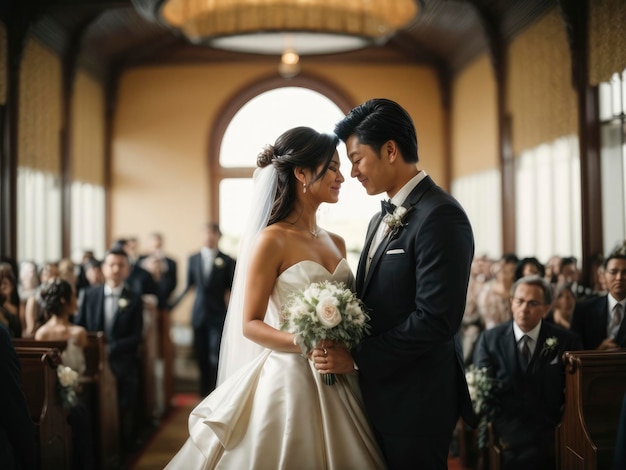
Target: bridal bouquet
{"x":325,"y":310}
{"x":68,"y":379}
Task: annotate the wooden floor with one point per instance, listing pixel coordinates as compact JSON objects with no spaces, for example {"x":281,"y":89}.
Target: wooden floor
{"x":172,"y":433}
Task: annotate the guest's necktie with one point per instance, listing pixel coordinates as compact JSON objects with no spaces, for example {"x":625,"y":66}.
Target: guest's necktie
{"x":525,"y":349}
{"x":617,"y":320}
{"x":387,"y":207}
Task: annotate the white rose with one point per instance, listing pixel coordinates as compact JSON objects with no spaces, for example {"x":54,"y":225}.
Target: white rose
{"x":328,"y":313}
{"x":67,"y":376}
{"x":353,"y":310}
{"x":219,"y":262}
{"x":122,"y":303}
{"x":400,"y":211}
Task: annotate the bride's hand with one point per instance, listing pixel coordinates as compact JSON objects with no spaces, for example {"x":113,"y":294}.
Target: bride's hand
{"x":332,"y":358}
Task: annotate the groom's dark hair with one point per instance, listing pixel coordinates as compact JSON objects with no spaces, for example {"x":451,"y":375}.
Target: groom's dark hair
{"x":378,"y":121}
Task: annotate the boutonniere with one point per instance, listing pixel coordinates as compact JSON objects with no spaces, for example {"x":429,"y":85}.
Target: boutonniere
{"x":395,"y":220}
{"x":219,"y":262}
{"x":550,"y":345}
{"x":122,"y":303}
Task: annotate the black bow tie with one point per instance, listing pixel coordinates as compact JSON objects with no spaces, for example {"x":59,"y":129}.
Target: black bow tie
{"x":387,"y":207}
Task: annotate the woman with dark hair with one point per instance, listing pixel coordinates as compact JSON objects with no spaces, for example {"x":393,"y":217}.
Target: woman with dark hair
{"x":8,"y":295}
{"x":57,"y":300}
{"x":562,"y":306}
{"x":271,"y":408}
{"x":530,"y":266}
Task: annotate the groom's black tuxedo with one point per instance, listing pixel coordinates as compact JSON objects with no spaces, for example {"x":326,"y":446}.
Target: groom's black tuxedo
{"x":531,"y":401}
{"x":411,"y":367}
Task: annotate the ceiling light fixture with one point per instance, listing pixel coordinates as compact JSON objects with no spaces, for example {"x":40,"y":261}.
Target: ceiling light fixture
{"x":314,"y":26}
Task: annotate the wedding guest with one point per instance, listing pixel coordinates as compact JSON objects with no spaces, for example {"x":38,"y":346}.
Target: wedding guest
{"x":563,"y":306}
{"x":117,"y":310}
{"x":17,"y":429}
{"x":524,"y":354}
{"x":27,"y":286}
{"x":494,"y":299}
{"x":553,"y":269}
{"x":57,"y":299}
{"x":599,"y":320}
{"x":162,"y":268}
{"x":529,"y":266}
{"x":138,"y":278}
{"x":33,"y":315}
{"x":210,"y":272}
{"x":8,"y":291}
{"x":472,"y":323}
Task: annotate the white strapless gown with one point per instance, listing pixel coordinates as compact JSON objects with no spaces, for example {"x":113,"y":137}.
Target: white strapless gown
{"x":276,"y":412}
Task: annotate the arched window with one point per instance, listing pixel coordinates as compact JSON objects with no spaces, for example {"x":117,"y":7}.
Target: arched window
{"x":258,"y":123}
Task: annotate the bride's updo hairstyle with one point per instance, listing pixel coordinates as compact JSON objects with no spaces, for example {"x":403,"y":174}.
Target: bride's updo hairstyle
{"x":298,"y":147}
{"x":53,"y":295}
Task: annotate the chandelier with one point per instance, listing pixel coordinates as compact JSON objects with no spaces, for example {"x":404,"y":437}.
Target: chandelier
{"x":276,"y":26}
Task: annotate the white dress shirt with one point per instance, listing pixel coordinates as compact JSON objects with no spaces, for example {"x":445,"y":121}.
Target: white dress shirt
{"x":397,"y":200}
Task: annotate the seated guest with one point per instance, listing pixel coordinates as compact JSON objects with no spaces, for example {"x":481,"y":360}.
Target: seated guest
{"x":17,"y":430}
{"x":57,"y":299}
{"x":10,"y":302}
{"x":27,"y":286}
{"x":530,"y":266}
{"x":562,"y":306}
{"x":117,"y":310}
{"x":599,"y":320}
{"x":525,"y":355}
{"x":33,"y":315}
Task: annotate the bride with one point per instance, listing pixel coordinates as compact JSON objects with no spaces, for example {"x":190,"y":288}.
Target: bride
{"x":271,"y":409}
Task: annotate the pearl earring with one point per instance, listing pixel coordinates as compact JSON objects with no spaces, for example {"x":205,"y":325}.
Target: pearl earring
{"x":304,"y":188}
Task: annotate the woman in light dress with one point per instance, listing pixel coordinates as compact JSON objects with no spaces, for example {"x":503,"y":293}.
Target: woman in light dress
{"x":57,"y":301}
{"x":271,"y":409}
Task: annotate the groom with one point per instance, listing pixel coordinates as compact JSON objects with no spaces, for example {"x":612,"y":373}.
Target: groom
{"x":413,"y":276}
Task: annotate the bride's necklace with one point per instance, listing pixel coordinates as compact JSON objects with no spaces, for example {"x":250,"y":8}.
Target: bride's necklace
{"x":315,"y":232}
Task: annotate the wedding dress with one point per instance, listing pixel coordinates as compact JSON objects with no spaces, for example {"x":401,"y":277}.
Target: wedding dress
{"x":276,"y":412}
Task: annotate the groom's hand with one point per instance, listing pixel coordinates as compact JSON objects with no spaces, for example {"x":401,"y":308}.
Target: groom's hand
{"x":333,"y":358}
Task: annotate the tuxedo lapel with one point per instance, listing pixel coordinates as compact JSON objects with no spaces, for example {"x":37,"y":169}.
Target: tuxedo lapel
{"x":409,"y":204}
{"x":541,"y":340}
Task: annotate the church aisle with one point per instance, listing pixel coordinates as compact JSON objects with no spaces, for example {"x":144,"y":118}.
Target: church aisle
{"x":170,"y":436}
{"x":172,"y":433}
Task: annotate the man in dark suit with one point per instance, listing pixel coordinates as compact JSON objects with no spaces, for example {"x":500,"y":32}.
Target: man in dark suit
{"x":211,"y":273}
{"x":412,"y":276}
{"x":117,"y":310}
{"x":525,"y":355}
{"x":138,"y":279}
{"x":599,"y":320}
{"x":162,"y":268}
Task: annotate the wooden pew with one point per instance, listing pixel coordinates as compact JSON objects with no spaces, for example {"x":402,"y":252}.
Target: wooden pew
{"x":39,"y":379}
{"x":99,"y":392}
{"x":594,"y":388}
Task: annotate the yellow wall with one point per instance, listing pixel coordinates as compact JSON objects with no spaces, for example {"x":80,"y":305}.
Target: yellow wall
{"x":163,"y":120}
{"x":474,"y":129}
